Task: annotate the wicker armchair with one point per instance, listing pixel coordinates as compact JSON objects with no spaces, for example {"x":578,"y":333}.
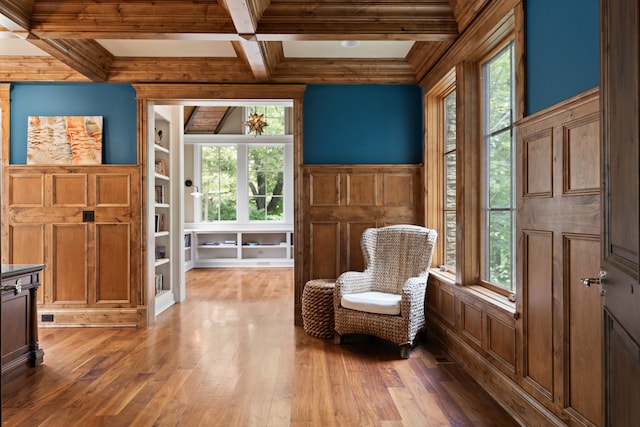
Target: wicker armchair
{"x":387,"y":299}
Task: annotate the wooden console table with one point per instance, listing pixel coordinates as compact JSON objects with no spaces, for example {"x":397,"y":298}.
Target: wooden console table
{"x":20,"y":349}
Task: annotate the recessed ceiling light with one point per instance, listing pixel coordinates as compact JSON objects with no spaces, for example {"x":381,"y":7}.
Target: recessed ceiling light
{"x":349,"y":43}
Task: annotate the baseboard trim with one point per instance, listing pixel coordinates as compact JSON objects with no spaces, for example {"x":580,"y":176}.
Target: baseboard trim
{"x":90,"y":317}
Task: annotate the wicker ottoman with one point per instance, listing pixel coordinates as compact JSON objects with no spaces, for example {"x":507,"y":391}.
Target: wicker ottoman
{"x":317,"y":308}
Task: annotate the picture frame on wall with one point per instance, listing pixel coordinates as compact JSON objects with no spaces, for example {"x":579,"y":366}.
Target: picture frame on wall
{"x":64,"y":140}
{"x":160,"y":167}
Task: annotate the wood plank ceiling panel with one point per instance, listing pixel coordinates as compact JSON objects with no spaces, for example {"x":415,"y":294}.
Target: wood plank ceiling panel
{"x":68,"y":30}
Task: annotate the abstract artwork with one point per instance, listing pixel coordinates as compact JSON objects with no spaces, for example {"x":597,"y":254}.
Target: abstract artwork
{"x":64,"y":140}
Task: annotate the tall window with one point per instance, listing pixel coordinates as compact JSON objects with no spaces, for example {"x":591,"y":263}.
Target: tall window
{"x":219,"y":168}
{"x":266,"y":182}
{"x":498,"y":266}
{"x":449,"y":160}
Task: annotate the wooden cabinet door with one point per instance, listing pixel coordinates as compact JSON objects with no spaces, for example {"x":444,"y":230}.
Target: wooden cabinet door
{"x":621,"y":211}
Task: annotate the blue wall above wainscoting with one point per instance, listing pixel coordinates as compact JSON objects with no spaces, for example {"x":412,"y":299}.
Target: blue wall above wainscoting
{"x":116,"y":103}
{"x":362,"y":124}
{"x":562,"y":50}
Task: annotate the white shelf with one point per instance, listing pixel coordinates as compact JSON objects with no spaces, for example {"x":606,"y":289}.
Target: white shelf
{"x":161,"y":233}
{"x":251,"y":248}
{"x":161,"y":261}
{"x":161,"y":149}
{"x":162,"y":177}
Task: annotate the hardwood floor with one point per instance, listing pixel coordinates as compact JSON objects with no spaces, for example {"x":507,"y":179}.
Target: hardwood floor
{"x":231,"y":356}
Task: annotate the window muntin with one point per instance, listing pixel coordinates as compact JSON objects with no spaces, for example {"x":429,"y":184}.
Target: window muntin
{"x":498,"y":232}
{"x":449,"y":179}
{"x":219,"y":183}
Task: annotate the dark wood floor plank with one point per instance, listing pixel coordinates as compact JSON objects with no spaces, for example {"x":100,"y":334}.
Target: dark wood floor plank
{"x":229,"y":355}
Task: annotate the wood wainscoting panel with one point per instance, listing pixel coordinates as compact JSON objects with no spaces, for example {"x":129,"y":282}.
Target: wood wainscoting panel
{"x":113,"y":281}
{"x":324,"y":190}
{"x":69,"y":190}
{"x":558,"y":237}
{"x":341,"y":201}
{"x":581,"y":154}
{"x":432,"y":299}
{"x":27,"y":241}
{"x":92,"y":266}
{"x":113,"y":190}
{"x":501,"y":342}
{"x":399,"y":189}
{"x":355,"y":258}
{"x":483,"y":337}
{"x":624,"y":374}
{"x":71,"y":254}
{"x":583,"y":364}
{"x":447,"y":305}
{"x":325,"y":249}
{"x":537,"y":164}
{"x":26,"y":190}
{"x":362,"y":189}
{"x":537,"y":287}
{"x":471,"y":323}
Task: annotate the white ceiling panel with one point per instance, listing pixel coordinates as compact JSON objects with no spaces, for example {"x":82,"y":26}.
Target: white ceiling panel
{"x":334,"y":49}
{"x":169,"y":48}
{"x":19,"y":47}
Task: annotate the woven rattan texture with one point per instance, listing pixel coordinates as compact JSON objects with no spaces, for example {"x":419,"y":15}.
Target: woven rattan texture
{"x":397,"y":261}
{"x":317,"y":308}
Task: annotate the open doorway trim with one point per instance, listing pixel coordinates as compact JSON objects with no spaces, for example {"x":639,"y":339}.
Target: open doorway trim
{"x":179,"y":94}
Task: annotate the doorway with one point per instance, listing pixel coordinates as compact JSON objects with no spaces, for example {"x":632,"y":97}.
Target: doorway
{"x":149,"y":95}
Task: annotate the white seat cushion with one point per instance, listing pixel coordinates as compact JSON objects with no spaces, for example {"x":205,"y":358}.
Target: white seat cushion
{"x":373,"y":302}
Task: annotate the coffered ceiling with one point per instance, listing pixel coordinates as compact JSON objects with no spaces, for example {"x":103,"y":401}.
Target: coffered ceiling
{"x":239,"y":41}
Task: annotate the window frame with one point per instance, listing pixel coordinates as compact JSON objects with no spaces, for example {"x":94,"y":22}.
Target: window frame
{"x":434,"y":153}
{"x":506,"y":43}
{"x":242,"y":142}
{"x":462,"y":62}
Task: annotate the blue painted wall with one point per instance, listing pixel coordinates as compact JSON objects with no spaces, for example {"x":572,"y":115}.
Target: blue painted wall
{"x":562,"y":50}
{"x":362,"y":124}
{"x":116,"y":103}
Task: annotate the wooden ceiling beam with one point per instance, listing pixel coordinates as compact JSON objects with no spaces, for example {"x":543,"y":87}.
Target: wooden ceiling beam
{"x":37,"y":69}
{"x":427,"y":20}
{"x":250,"y":52}
{"x":220,"y":124}
{"x":192,"y":117}
{"x":181,"y":69}
{"x":128,"y":19}
{"x":424,"y":55}
{"x":243,"y":20}
{"x":344,"y":71}
{"x":15,"y":15}
{"x":247,"y":48}
{"x":87,"y":57}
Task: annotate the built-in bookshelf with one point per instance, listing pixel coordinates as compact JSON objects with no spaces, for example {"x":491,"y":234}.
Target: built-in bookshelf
{"x":164,"y":212}
{"x":246,"y":248}
{"x":188,"y":251}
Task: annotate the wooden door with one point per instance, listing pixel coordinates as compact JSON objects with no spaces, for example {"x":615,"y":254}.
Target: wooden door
{"x":621,"y":214}
{"x":559,"y":232}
